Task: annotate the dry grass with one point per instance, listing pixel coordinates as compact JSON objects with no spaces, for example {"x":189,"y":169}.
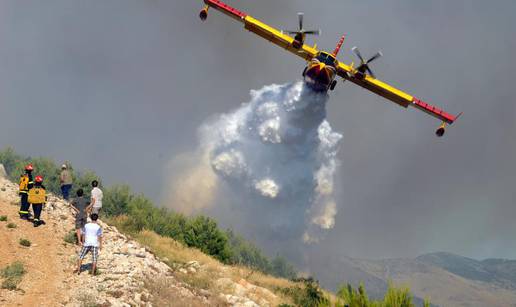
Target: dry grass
{"x":212,"y":269}
{"x":176,"y":254}
{"x":163,"y":292}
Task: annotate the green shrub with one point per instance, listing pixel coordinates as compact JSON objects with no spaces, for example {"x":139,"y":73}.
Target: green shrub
{"x":11,"y":225}
{"x":16,"y":269}
{"x":12,"y":275}
{"x":25,"y":242}
{"x":3,"y":218}
{"x":202,"y":233}
{"x":309,"y":295}
{"x":10,"y":283}
{"x":71,"y":237}
{"x":394,"y":297}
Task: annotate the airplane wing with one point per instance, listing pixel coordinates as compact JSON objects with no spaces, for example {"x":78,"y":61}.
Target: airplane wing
{"x":271,"y":34}
{"x":393,"y":94}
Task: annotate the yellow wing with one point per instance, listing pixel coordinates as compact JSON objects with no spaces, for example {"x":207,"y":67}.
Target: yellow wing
{"x":393,"y":94}
{"x":271,"y":34}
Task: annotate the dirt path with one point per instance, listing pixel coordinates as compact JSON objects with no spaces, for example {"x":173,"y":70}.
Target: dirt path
{"x":45,"y":261}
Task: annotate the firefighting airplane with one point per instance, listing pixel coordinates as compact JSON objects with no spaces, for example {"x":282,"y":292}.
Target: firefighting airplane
{"x":322,"y":67}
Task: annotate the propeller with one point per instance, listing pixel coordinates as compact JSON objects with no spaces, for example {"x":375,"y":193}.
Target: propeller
{"x":364,"y":65}
{"x":301,"y":30}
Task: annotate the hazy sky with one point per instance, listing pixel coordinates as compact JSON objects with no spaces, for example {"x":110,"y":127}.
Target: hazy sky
{"x":120,"y":87}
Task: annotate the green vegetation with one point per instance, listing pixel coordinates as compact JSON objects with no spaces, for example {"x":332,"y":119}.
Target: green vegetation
{"x":3,"y":218}
{"x":200,"y":232}
{"x":12,"y":275}
{"x":307,"y":295}
{"x":70,"y":237}
{"x":134,"y":213}
{"x":394,"y":297}
{"x":24,"y":242}
{"x":247,"y":254}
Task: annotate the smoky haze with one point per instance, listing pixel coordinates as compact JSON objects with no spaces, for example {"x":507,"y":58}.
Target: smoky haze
{"x":121,"y":87}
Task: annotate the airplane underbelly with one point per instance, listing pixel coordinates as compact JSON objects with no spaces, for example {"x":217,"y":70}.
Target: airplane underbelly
{"x":319,"y":79}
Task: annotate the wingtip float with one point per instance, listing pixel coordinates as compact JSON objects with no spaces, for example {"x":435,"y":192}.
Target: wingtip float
{"x":323,"y":67}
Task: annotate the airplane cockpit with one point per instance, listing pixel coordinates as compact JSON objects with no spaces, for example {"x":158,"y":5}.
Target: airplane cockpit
{"x":326,"y":58}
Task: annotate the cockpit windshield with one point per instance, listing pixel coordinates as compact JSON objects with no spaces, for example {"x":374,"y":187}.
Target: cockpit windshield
{"x":326,"y":59}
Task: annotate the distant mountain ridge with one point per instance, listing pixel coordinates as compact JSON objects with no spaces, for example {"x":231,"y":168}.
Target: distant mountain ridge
{"x":501,"y":272}
{"x":447,"y":279}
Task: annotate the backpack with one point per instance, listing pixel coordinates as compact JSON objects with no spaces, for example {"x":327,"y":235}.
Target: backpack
{"x":24,"y":183}
{"x":37,"y":195}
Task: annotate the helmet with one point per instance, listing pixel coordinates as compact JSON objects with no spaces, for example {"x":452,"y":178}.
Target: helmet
{"x":64,"y":166}
{"x":39,"y":179}
{"x":29,"y":167}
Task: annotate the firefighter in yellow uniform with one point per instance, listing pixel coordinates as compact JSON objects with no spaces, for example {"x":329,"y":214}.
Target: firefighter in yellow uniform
{"x":25,"y":184}
{"x":37,"y":198}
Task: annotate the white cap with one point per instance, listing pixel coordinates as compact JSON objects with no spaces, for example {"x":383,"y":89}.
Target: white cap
{"x":63,"y":166}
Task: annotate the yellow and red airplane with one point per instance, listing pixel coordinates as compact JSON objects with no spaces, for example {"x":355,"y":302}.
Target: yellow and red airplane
{"x":323,"y":67}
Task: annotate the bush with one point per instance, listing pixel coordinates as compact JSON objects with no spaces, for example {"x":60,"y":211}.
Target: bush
{"x":3,"y":218}
{"x":11,"y":225}
{"x":15,"y":164}
{"x":71,"y":237}
{"x":25,"y":242}
{"x":310,"y":295}
{"x":203,"y":233}
{"x":12,"y":275}
{"x":246,"y":253}
{"x":394,"y":297}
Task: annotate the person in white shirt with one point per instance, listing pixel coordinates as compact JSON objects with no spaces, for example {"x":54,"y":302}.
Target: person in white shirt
{"x":91,"y":241}
{"x":96,"y":198}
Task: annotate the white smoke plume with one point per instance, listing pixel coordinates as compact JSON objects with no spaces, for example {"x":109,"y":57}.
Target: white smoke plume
{"x":274,"y":159}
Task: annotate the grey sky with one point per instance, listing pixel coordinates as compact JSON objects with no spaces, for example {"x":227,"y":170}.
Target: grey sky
{"x":120,"y":87}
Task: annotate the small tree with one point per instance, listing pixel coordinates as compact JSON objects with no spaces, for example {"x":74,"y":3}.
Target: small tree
{"x":203,"y":233}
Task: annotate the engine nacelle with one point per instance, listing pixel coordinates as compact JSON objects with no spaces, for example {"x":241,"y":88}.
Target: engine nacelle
{"x":441,"y":130}
{"x":204,"y":13}
{"x":299,"y":40}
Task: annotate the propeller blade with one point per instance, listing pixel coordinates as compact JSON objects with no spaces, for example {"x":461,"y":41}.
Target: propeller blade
{"x":370,"y":72}
{"x":300,"y":17}
{"x":374,"y":57}
{"x":358,"y":54}
{"x":314,"y":32}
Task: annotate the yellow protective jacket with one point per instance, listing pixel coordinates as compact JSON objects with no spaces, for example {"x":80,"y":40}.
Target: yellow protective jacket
{"x":25,"y":183}
{"x":37,"y":195}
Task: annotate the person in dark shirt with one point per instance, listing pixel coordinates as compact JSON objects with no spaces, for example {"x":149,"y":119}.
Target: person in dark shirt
{"x":79,"y":205}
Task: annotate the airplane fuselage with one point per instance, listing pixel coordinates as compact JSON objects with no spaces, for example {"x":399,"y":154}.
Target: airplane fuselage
{"x":320,"y":72}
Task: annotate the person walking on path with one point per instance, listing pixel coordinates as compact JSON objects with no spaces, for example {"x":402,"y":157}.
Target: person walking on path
{"x":96,"y":198}
{"x":66,"y":181}
{"x":38,"y":198}
{"x":26,"y":182}
{"x":79,"y":206}
{"x":91,"y":242}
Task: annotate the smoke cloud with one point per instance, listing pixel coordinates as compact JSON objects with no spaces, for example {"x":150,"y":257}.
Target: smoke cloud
{"x":275,"y":155}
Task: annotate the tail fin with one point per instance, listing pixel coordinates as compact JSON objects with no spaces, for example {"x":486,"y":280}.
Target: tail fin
{"x":339,"y":44}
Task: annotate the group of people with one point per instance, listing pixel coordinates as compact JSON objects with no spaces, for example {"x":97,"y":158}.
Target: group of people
{"x":32,"y":192}
{"x":89,"y":234}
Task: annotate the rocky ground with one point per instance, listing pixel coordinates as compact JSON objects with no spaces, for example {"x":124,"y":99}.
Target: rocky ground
{"x":129,"y":273}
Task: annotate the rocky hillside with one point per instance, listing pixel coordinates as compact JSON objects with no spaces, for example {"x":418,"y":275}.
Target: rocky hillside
{"x":130,"y":273}
{"x":446,"y":279}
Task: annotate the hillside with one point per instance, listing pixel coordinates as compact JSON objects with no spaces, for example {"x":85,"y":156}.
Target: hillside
{"x":447,"y":279}
{"x":131,"y":274}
